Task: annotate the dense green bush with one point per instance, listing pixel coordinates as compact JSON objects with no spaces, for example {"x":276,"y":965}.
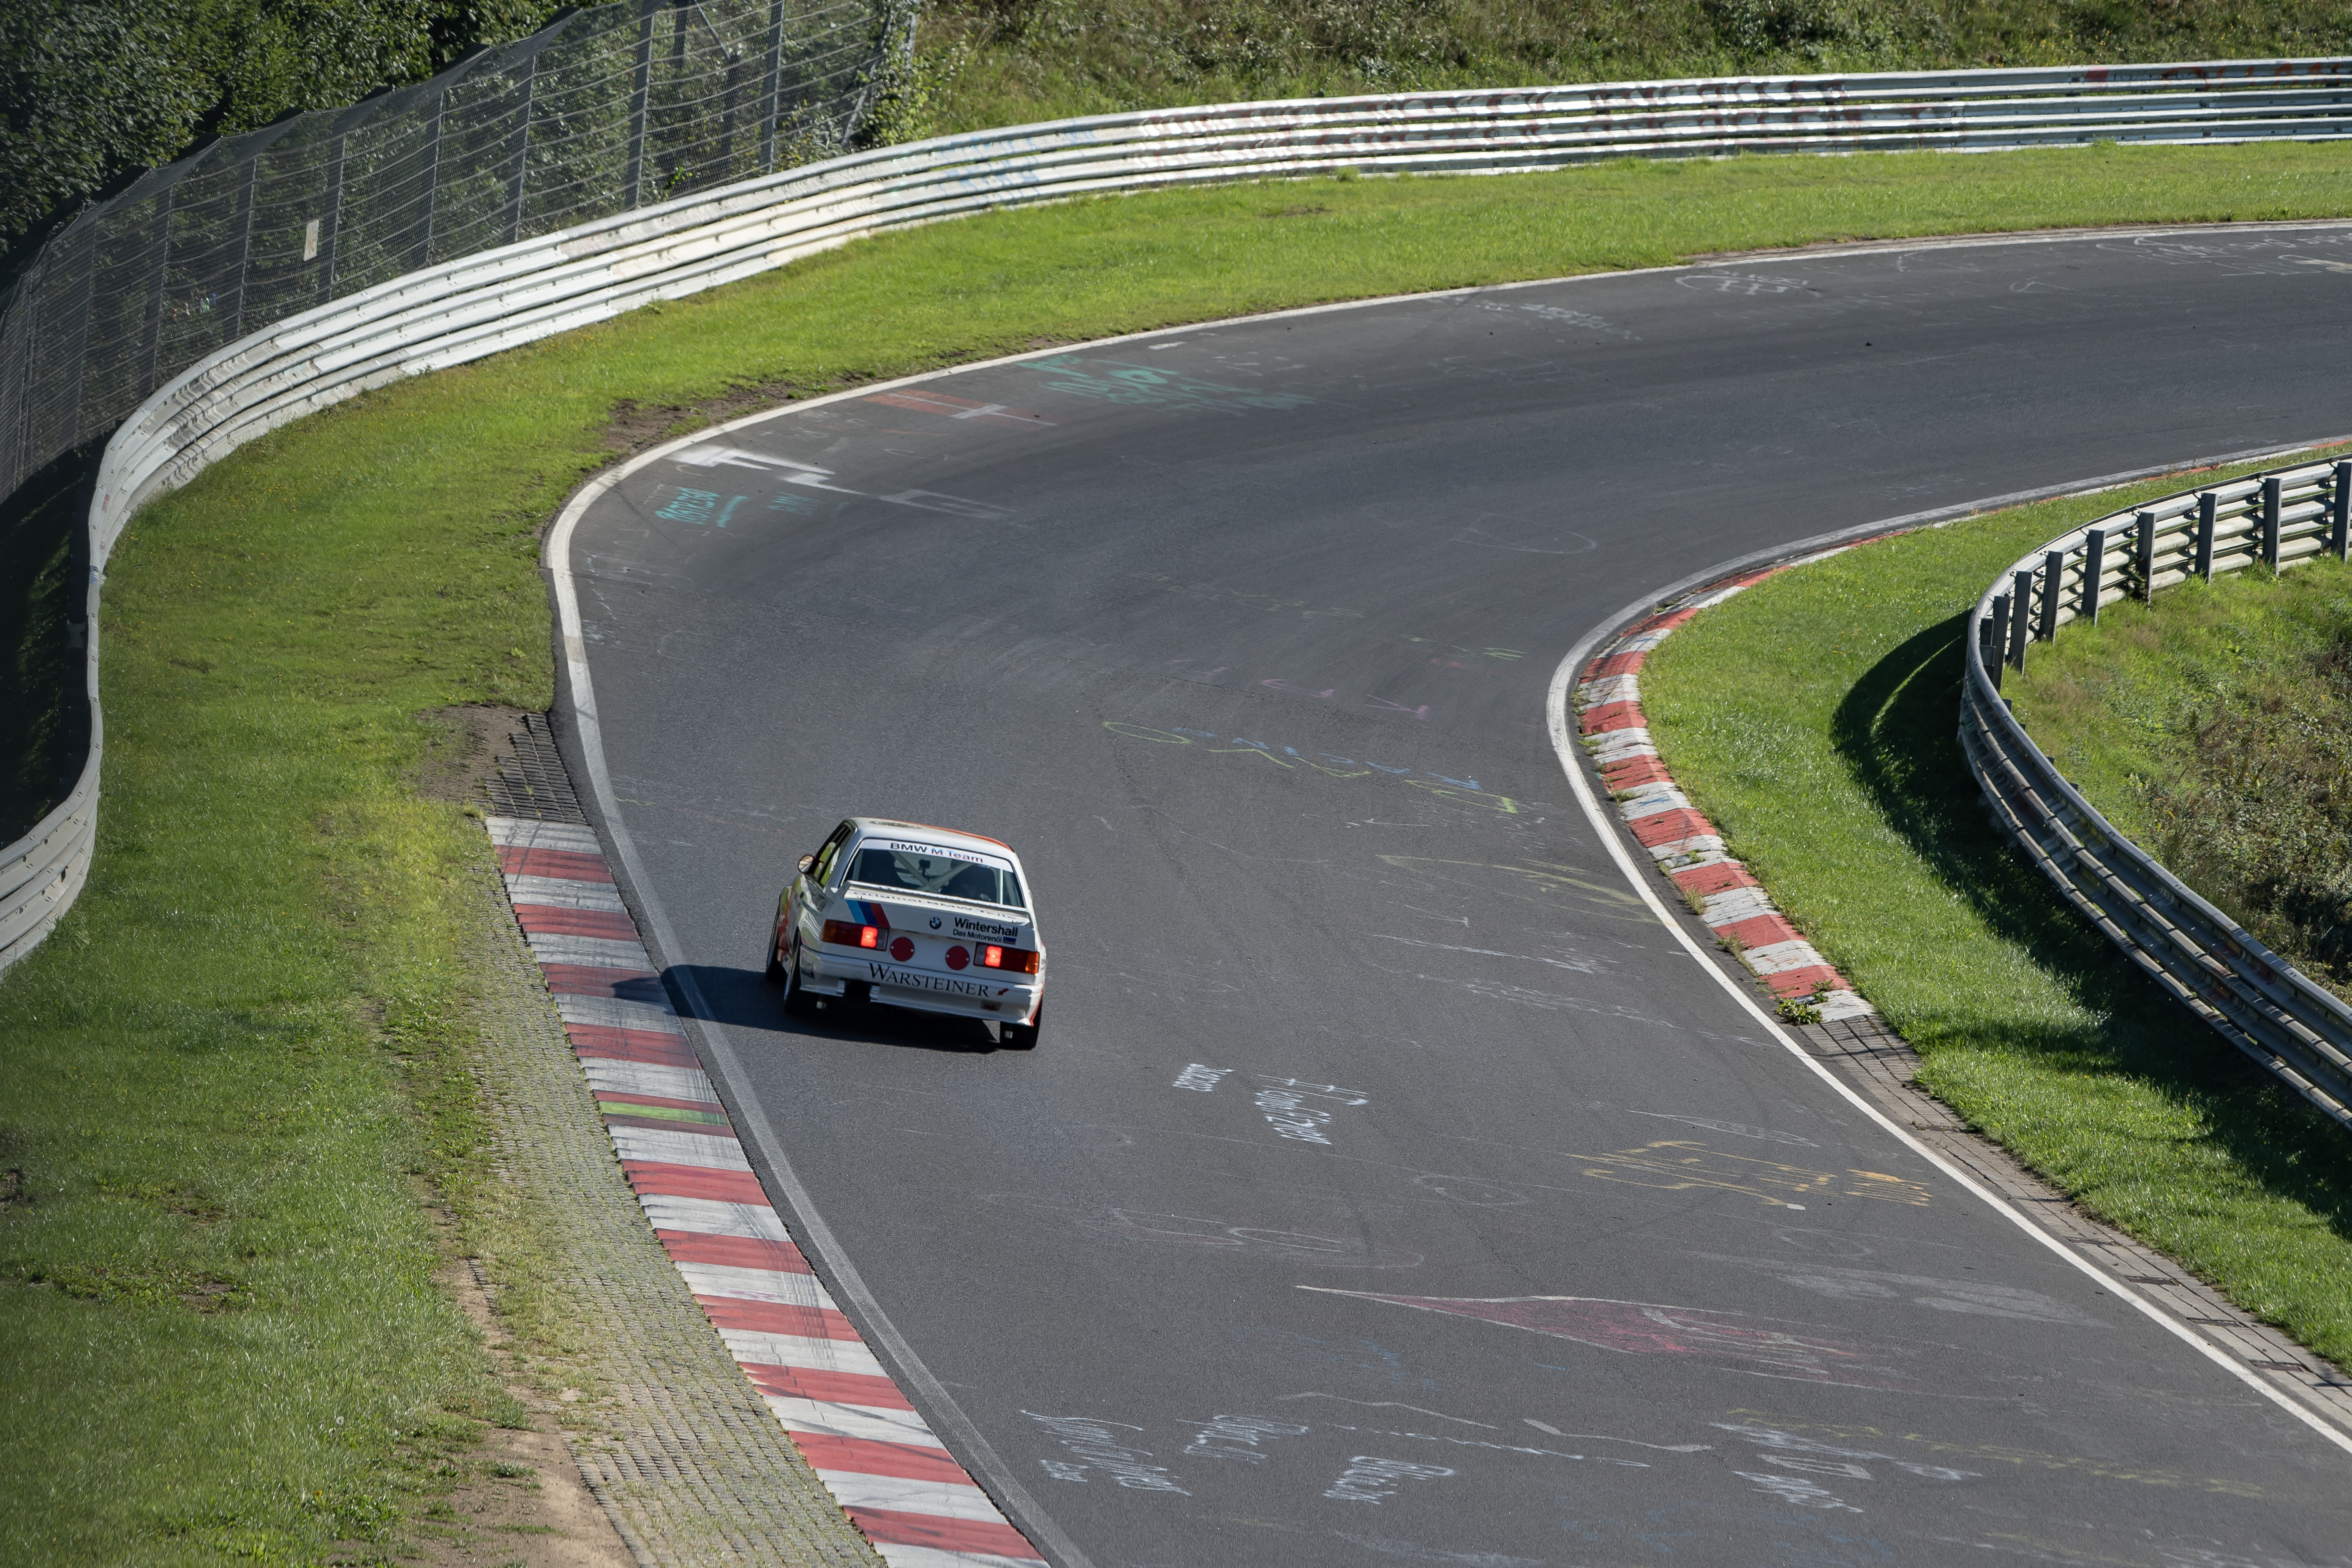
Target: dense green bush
{"x":999,"y":62}
{"x":93,"y":90}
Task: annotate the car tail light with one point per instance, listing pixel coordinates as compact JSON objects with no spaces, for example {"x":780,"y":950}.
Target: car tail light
{"x":844,"y":934}
{"x":1020,"y":960}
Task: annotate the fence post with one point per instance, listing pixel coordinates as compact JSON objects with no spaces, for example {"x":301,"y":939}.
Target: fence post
{"x":2021,"y":623}
{"x":2094,"y":567}
{"x":330,"y":223}
{"x":244,"y":249}
{"x":2339,"y":534}
{"x":2053,"y":579}
{"x":771,"y":96}
{"x":154,"y":347}
{"x":2144,"y":530}
{"x":521,"y":154}
{"x":638,"y":93}
{"x":432,"y":182}
{"x":2208,"y":504}
{"x":72,"y":402}
{"x":2271,"y":523}
{"x":1998,"y":638}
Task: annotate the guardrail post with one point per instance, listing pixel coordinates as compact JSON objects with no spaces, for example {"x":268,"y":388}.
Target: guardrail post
{"x":1999,"y":637}
{"x":2143,"y":535}
{"x":2270,"y":522}
{"x":2340,"y":529}
{"x":2208,"y":504}
{"x":2094,"y":567}
{"x":2021,"y":623}
{"x":2054,"y":578}
{"x":637,"y":176}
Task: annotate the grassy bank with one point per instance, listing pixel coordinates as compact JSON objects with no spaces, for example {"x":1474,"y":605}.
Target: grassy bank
{"x":2215,"y":727}
{"x":1813,"y":717}
{"x":1004,"y":62}
{"x":234,"y":1076}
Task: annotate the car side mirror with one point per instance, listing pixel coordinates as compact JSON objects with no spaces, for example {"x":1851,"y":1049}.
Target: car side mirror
{"x":807,"y":862}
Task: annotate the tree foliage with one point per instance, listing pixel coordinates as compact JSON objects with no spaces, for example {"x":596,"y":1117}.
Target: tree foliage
{"x":91,"y":91}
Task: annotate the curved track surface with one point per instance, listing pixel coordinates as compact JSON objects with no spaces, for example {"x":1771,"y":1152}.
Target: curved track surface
{"x":1389,"y":1184}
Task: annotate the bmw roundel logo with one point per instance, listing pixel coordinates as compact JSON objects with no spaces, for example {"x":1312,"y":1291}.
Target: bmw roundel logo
{"x":935,"y":923}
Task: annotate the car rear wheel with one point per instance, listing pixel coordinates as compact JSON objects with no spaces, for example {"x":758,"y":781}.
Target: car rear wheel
{"x":797,"y":1001}
{"x":1020,"y":1036}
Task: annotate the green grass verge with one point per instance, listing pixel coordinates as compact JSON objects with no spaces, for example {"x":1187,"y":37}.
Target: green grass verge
{"x":2215,"y":728}
{"x":235,"y":1073}
{"x":1814,"y":717}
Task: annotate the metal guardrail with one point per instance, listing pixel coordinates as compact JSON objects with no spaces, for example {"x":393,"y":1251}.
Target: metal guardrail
{"x":459,"y":311}
{"x":2258,"y":1001}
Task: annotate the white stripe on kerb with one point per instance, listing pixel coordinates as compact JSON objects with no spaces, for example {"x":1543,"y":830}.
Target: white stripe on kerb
{"x":521,"y":833}
{"x":614,"y":1012}
{"x":756,"y":1285}
{"x":589,"y":951}
{"x":648,"y":1079}
{"x":565,"y":893}
{"x":932,"y":1557}
{"x":709,"y":1216}
{"x":715,"y":1151}
{"x":824,"y":1418}
{"x":754,"y":1348}
{"x":945,"y":1499}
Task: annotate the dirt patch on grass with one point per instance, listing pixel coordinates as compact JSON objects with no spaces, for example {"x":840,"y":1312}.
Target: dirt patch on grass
{"x":523,"y":1503}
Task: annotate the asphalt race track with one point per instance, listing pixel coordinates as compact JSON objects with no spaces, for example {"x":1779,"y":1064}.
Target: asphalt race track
{"x":1390,"y":1185}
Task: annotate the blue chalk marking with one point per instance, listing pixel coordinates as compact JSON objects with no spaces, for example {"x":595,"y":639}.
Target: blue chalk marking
{"x":788,"y":501}
{"x":733,"y":502}
{"x":1465,"y":783}
{"x":691,"y":505}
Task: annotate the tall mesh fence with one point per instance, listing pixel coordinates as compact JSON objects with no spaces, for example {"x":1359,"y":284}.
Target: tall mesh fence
{"x":603,"y":110}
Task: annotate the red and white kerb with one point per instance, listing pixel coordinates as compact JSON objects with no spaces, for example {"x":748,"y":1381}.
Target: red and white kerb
{"x":889,"y":1473}
{"x":1686,"y":844}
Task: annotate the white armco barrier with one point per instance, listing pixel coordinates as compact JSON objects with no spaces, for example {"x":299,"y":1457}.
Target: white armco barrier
{"x":463,"y":310}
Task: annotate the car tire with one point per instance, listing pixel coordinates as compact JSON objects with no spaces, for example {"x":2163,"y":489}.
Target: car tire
{"x":797,"y":1001}
{"x":1020,"y":1036}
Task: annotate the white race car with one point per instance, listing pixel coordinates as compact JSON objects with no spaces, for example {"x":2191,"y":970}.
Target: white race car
{"x":912,"y":916}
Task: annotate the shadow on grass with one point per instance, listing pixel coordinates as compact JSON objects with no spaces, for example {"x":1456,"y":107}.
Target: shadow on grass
{"x":1898,"y":730}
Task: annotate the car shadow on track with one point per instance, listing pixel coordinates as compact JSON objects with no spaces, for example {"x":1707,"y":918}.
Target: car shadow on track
{"x":746,"y":999}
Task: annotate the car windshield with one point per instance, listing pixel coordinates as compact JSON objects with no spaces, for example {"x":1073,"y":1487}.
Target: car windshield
{"x":936,"y":873}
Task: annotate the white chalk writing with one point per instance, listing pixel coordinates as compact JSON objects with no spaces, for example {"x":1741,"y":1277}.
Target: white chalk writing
{"x":1093,"y":1442}
{"x":1368,"y":1478}
{"x":1238,"y":1438}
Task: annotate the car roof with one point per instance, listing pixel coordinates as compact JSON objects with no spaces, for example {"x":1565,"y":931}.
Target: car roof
{"x":948,"y":837}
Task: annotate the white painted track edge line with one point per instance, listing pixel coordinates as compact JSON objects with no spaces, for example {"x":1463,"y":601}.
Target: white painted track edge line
{"x":942,"y":1411}
{"x":1564,"y":744}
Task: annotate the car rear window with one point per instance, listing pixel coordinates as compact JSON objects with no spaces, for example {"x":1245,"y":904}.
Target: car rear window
{"x":936,"y":873}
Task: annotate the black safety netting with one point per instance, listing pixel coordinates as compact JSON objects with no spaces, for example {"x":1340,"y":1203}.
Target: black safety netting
{"x":603,"y":110}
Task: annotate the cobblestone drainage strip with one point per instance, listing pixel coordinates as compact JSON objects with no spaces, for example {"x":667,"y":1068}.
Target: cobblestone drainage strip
{"x":862,"y":1436}
{"x":1684,"y":844}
